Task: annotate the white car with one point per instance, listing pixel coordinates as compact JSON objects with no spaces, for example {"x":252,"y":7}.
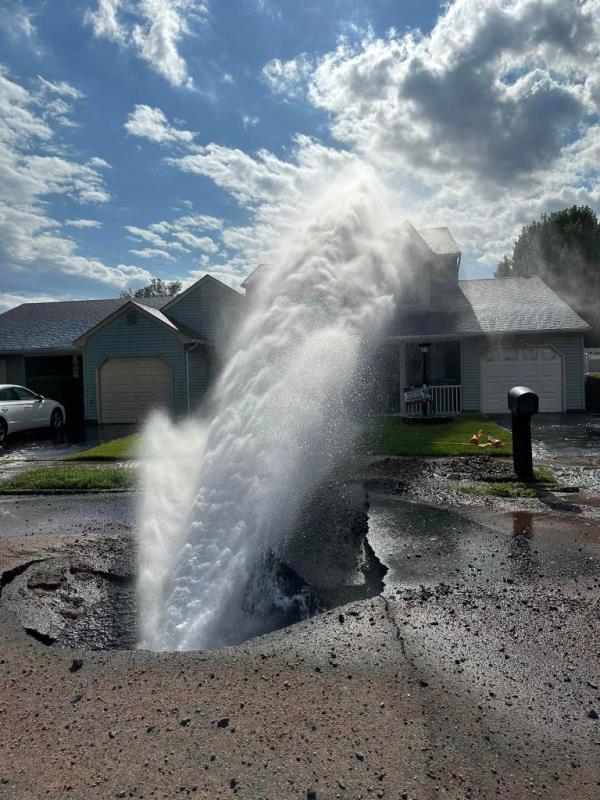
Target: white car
{"x":21,"y":409}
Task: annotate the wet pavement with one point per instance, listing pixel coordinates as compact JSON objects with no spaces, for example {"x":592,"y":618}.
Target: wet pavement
{"x":573,"y":437}
{"x":423,"y":545}
{"x":66,"y":515}
{"x":42,"y":445}
{"x":474,"y":674}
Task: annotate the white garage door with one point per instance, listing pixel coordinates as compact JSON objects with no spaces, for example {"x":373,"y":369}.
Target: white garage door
{"x":131,"y":387}
{"x":538,"y":368}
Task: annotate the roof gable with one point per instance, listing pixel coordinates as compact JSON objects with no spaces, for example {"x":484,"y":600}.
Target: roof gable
{"x":205,"y":279}
{"x":154,"y":314}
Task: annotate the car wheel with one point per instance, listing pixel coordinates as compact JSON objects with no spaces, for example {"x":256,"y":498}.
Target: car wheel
{"x":56,"y":421}
{"x":3,"y":432}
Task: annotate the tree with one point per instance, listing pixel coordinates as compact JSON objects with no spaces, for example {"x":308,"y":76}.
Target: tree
{"x":156,"y":288}
{"x":562,"y":248}
{"x":504,"y":268}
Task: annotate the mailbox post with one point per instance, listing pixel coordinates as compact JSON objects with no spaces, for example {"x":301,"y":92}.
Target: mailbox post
{"x":523,"y":404}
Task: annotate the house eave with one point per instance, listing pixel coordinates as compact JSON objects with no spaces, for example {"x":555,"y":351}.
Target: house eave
{"x":474,"y":334}
{"x":42,"y":351}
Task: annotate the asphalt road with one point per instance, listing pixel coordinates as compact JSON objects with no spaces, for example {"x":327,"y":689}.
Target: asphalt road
{"x":66,"y":514}
{"x":478,"y":680}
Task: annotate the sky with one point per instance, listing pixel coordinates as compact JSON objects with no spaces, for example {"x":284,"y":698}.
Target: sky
{"x":175,"y":138}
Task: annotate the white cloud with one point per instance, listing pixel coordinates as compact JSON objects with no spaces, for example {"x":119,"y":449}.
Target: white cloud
{"x":197,"y":242}
{"x":83,"y":223}
{"x":17,"y":20}
{"x":288,"y":77}
{"x":491,"y":92}
{"x":145,"y":234}
{"x":153,"y":28}
{"x":105,"y":21}
{"x":32,"y":251}
{"x":152,"y":124}
{"x":177,"y":236}
{"x":61,"y":88}
{"x":151,"y":252}
{"x":276,"y":194}
{"x":483,"y":124}
{"x":8,"y":300}
{"x":250,"y":122}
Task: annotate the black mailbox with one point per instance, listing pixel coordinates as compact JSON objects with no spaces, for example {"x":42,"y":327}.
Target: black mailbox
{"x":522,"y":400}
{"x":523,"y":404}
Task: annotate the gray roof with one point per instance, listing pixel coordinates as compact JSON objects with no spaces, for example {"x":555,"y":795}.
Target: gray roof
{"x":155,"y":312}
{"x":440,"y":241}
{"x":55,"y":326}
{"x":494,"y":305}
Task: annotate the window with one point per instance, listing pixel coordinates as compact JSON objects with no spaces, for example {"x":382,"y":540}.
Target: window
{"x":547,"y":354}
{"x":493,"y":355}
{"x":510,"y":354}
{"x":7,"y":394}
{"x":24,"y":394}
{"x":529,"y":354}
{"x":2,"y":371}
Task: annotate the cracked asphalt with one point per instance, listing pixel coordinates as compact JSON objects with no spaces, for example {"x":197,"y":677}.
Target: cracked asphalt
{"x":475,"y":674}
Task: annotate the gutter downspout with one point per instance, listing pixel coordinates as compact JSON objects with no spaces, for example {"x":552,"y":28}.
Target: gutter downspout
{"x":196,"y":344}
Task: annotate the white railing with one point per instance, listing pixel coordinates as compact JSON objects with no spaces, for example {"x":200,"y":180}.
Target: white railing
{"x":444,"y":401}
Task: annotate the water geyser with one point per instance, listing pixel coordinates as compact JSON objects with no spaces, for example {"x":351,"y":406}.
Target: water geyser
{"x":220,"y":499}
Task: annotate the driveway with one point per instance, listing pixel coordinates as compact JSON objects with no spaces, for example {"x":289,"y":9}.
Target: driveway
{"x":568,"y":436}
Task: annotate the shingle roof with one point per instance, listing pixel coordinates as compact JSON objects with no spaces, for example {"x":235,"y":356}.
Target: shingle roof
{"x":495,"y":305}
{"x":55,"y":326}
{"x":156,"y":312}
{"x":440,"y":241}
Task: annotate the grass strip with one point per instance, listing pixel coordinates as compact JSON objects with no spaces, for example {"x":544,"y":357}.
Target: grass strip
{"x":70,"y":478}
{"x":115,"y":450}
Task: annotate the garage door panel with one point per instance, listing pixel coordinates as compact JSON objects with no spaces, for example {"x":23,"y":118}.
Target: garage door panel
{"x":539,"y":368}
{"x":131,"y":387}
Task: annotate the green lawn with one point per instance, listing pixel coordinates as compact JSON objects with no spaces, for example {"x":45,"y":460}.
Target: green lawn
{"x":125,"y":447}
{"x":73,"y":478}
{"x":394,"y":437}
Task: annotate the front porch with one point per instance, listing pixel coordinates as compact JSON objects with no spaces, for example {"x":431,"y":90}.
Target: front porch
{"x":422,"y":378}
{"x":442,"y":401}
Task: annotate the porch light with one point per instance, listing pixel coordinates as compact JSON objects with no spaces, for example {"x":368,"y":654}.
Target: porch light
{"x":424,"y":347}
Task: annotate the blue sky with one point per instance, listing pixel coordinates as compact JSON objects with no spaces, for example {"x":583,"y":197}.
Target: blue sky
{"x":209,"y":120}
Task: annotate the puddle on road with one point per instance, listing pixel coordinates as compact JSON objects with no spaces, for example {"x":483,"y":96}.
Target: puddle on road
{"x":423,"y":544}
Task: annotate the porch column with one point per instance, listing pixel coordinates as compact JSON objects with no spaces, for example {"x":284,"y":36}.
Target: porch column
{"x":402,"y":373}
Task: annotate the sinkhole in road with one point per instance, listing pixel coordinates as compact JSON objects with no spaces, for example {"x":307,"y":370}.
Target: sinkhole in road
{"x":87,"y":597}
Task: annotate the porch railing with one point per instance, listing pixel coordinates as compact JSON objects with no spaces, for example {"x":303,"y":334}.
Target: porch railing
{"x":444,"y":400}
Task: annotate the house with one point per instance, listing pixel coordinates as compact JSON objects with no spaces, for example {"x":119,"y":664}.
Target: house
{"x":115,"y":359}
{"x":476,"y":339}
{"x":471,"y":341}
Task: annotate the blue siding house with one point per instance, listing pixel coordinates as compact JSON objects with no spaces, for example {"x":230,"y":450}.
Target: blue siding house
{"x":472,"y":339}
{"x":115,"y":360}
